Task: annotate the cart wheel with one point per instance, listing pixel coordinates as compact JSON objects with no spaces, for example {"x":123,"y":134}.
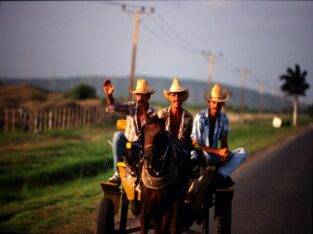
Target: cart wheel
{"x":207,"y":203}
{"x":105,"y":218}
{"x":223,"y":210}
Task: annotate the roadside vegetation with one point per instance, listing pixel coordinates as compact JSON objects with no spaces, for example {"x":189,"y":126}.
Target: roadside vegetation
{"x":49,"y":181}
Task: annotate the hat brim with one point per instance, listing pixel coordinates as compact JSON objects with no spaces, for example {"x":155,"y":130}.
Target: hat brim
{"x":216,"y":99}
{"x":151,"y":91}
{"x":185,"y":91}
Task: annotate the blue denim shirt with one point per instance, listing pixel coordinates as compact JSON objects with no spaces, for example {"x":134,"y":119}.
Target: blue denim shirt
{"x":201,"y":128}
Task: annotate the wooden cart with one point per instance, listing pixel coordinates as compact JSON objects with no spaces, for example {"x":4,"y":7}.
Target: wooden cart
{"x":113,"y":210}
{"x":114,"y":207}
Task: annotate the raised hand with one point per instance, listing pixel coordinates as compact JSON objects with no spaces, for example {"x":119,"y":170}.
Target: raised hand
{"x":107,"y":87}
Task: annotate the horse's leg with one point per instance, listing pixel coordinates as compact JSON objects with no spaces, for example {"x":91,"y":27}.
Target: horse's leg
{"x":143,"y":220}
{"x":157,"y":225}
{"x":165,"y":221}
{"x":174,"y":224}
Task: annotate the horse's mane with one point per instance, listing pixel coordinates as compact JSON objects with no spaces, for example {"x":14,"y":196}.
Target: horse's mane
{"x":151,"y":119}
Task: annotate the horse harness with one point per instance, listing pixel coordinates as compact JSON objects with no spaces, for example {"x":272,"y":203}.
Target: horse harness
{"x":163,"y":179}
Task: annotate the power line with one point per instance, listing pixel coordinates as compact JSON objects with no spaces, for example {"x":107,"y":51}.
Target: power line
{"x":227,"y":65}
{"x":167,"y":28}
{"x":180,"y":38}
{"x":121,"y":4}
{"x":166,"y":40}
{"x":170,"y":37}
{"x":165,"y":31}
{"x":113,"y":3}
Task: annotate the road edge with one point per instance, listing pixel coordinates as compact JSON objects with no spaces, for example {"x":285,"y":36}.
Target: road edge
{"x":255,"y":156}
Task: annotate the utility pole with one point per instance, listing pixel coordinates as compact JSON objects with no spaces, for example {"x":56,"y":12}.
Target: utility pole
{"x":273,"y":94}
{"x":211,"y":57}
{"x":261,"y":93}
{"x":282,"y":102}
{"x":4,"y":71}
{"x":243,"y":77}
{"x":134,"y":53}
{"x":137,"y":11}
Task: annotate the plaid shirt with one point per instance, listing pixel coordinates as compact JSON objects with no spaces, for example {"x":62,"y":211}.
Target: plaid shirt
{"x":201,"y":128}
{"x":185,"y":124}
{"x":130,"y":109}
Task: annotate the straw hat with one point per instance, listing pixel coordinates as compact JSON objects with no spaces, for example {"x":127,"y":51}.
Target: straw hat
{"x":176,"y":88}
{"x":143,"y":87}
{"x":217,"y":94}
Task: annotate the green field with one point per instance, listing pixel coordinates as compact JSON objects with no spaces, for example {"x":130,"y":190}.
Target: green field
{"x":48,"y":181}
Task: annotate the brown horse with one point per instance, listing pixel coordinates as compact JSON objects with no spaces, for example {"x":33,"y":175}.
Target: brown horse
{"x":162,"y":185}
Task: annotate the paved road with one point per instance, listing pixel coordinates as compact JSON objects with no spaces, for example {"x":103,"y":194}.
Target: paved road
{"x":273,"y":193}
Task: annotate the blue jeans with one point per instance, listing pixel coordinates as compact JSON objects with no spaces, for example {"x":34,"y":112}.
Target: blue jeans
{"x":236,"y":157}
{"x":118,"y":148}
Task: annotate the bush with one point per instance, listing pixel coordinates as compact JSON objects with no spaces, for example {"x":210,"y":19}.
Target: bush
{"x":38,"y":95}
{"x":81,"y":92}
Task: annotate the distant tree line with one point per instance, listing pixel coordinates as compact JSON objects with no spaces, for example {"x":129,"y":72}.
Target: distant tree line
{"x":81,"y":92}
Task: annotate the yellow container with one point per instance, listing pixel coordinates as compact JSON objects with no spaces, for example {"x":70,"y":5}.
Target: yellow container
{"x":121,"y":124}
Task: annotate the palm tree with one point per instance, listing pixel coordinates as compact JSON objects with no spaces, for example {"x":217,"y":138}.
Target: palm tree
{"x":295,"y":86}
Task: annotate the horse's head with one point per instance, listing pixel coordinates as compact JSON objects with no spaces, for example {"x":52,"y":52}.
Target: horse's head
{"x":155,"y":145}
{"x":159,"y":187}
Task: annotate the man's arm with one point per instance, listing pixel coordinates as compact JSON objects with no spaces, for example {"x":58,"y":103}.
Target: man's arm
{"x":224,"y":141}
{"x":222,"y":152}
{"x":108,"y":90}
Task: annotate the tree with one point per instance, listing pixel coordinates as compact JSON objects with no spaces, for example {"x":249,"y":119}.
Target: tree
{"x":295,"y":85}
{"x":81,"y":92}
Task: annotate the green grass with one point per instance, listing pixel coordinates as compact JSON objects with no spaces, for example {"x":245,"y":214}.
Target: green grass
{"x":256,"y":136}
{"x":49,"y":181}
{"x":59,"y":158}
{"x":54,"y":206}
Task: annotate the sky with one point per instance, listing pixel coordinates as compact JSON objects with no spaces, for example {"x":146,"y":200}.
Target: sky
{"x":84,"y":38}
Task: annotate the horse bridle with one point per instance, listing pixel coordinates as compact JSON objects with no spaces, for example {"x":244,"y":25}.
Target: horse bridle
{"x":154,"y":146}
{"x":161,"y":157}
{"x":165,"y":180}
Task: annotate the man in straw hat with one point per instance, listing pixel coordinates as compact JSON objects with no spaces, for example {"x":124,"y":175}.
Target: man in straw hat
{"x":135,"y":112}
{"x":178,"y":121}
{"x":211,"y":125}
